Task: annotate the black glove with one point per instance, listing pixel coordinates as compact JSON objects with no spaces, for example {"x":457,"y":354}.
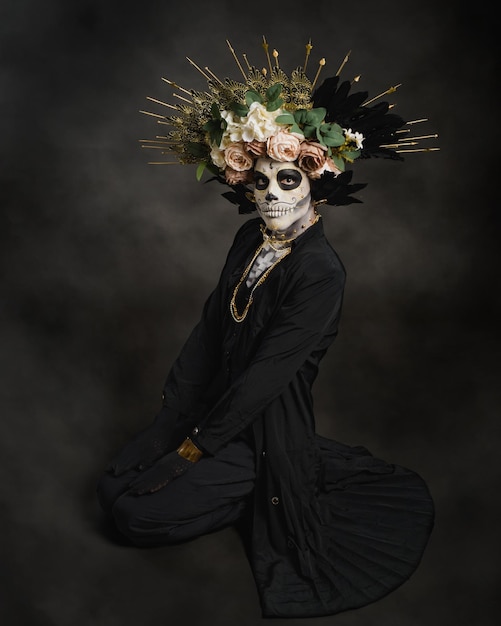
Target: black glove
{"x":146,"y":447}
{"x":164,"y":471}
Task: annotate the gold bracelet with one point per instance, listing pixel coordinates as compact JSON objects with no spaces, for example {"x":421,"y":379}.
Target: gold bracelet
{"x":189,"y":451}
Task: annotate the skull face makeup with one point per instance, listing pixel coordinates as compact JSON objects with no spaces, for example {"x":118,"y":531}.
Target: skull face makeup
{"x":282,"y":193}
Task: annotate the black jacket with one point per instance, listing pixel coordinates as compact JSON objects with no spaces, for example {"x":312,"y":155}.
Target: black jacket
{"x":332,"y":527}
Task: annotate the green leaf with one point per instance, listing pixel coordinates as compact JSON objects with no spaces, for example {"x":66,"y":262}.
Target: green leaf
{"x":215,"y":128}
{"x":288,"y":119}
{"x":295,"y":129}
{"x":200,"y":170}
{"x":274,"y":104}
{"x":273,"y":92}
{"x":338,"y":162}
{"x":216,"y":113}
{"x":333,"y":141}
{"x":316,"y":116}
{"x":239,"y":109}
{"x":351,"y":155}
{"x":333,"y":128}
{"x":320,"y":139}
{"x":300,"y":116}
{"x":332,"y":135}
{"x":310,"y":131}
{"x":252,"y":96}
{"x":285,"y":118}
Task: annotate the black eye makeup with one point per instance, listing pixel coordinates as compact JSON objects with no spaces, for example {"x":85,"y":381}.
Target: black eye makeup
{"x":261,"y":181}
{"x":289,"y":179}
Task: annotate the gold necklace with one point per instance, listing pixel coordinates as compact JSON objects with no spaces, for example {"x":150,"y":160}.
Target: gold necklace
{"x":281,"y":239}
{"x":239,"y":317}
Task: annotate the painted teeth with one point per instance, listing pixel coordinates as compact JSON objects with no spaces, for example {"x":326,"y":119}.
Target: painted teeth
{"x":278,"y":212}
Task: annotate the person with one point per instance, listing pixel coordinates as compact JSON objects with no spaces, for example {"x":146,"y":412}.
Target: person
{"x":327,"y":527}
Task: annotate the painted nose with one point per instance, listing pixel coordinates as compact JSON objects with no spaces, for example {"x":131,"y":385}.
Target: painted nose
{"x":270,"y":196}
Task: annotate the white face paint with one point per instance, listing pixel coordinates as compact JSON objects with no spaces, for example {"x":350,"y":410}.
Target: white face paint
{"x":282,"y":193}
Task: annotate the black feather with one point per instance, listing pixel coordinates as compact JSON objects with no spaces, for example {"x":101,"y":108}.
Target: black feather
{"x":336,"y":190}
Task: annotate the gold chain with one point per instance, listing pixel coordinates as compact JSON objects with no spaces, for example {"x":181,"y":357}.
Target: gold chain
{"x":239,"y":317}
{"x":280,"y":239}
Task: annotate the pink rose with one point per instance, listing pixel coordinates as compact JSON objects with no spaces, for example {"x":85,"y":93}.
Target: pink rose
{"x":233,"y":177}
{"x":237,"y":157}
{"x":283,"y":147}
{"x":328,"y":166}
{"x":256,"y":148}
{"x":312,"y":156}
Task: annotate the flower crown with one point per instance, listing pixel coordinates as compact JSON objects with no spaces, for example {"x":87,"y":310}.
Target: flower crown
{"x":228,"y":127}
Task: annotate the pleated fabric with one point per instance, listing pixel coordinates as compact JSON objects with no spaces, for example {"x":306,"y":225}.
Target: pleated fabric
{"x":364,"y":532}
{"x":376,"y":521}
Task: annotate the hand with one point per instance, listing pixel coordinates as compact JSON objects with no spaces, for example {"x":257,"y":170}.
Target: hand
{"x":164,"y":471}
{"x":149,"y":445}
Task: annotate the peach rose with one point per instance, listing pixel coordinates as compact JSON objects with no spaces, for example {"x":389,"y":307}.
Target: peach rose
{"x":237,"y":157}
{"x":256,"y":148}
{"x":311,"y":156}
{"x":328,"y":166}
{"x":233,"y":177}
{"x":283,"y":146}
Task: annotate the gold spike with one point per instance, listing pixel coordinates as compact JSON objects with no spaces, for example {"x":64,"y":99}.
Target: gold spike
{"x":308,"y":51}
{"x":176,"y":95}
{"x":384,"y":93}
{"x":153,"y":114}
{"x":176,"y":86}
{"x":423,"y":119}
{"x":199,"y":69}
{"x":165,"y":104}
{"x":159,"y":147}
{"x":398,"y":145}
{"x":403,"y":130}
{"x":265,"y":47}
{"x":167,"y":141}
{"x":236,"y":59}
{"x":213,"y":75}
{"x":247,"y":62}
{"x":165,"y":123}
{"x":419,"y":150}
{"x":356,"y":79}
{"x":422,"y":137}
{"x":275,"y":56}
{"x":345,"y":61}
{"x":321,"y":63}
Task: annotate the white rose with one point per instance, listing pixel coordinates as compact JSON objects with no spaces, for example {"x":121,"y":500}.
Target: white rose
{"x":217,"y":157}
{"x":233,"y":130}
{"x":259,"y":123}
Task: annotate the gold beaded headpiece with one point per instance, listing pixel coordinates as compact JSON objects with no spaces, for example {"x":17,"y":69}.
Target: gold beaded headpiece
{"x":324,"y":129}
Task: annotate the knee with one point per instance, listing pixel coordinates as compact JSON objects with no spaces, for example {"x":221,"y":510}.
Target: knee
{"x":110,"y":488}
{"x":137,"y":520}
{"x":134,"y":522}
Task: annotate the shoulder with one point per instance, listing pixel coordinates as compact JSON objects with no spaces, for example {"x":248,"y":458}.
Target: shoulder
{"x":314,"y":257}
{"x":250,"y":228}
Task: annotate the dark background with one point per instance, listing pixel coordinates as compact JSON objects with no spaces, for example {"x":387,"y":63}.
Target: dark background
{"x":106,"y":262}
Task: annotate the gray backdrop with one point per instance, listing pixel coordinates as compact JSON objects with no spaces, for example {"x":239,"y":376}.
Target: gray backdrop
{"x":106,"y":262}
